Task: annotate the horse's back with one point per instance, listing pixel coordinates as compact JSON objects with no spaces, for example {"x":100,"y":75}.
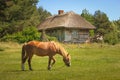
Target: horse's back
{"x":41,"y":48}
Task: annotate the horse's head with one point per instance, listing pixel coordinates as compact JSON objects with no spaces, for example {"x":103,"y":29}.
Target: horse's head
{"x":67,"y":60}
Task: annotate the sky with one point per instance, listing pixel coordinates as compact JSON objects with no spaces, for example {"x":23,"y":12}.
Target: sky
{"x":110,"y":7}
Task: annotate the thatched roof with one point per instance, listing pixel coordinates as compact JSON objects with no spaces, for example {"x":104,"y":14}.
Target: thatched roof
{"x":67,"y":20}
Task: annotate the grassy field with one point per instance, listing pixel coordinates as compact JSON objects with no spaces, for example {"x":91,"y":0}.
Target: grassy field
{"x":89,"y":62}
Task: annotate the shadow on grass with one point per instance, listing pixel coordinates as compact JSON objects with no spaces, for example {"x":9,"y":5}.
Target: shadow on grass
{"x":37,"y":70}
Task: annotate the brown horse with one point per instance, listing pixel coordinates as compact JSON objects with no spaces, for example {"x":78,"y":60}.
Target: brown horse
{"x":49,"y":49}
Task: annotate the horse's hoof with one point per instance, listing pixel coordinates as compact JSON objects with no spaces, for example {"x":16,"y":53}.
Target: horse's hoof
{"x":49,"y":68}
{"x":22,"y":69}
{"x":31,"y":69}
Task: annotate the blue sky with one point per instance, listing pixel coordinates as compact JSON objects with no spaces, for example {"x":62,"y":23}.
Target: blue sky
{"x":110,"y":7}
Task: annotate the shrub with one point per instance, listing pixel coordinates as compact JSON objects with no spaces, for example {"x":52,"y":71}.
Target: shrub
{"x":52,"y":38}
{"x":28,"y":34}
{"x":91,"y":33}
{"x":111,"y":38}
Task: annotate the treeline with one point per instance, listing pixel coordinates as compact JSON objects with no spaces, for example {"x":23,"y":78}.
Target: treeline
{"x":17,"y":15}
{"x":19,"y":19}
{"x":110,"y":30}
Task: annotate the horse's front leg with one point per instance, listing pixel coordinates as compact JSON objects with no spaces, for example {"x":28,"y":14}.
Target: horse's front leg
{"x":49,"y":63}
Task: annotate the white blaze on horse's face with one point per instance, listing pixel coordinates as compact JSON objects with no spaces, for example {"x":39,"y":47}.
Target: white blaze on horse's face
{"x":67,"y":60}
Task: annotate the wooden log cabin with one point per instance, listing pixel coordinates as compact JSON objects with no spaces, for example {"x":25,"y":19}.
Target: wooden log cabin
{"x":67,"y":27}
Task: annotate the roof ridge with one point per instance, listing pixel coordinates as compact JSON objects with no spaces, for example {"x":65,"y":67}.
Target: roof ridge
{"x":67,"y":20}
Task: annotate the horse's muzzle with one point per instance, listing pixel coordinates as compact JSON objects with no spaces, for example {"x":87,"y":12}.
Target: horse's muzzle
{"x":68,"y":65}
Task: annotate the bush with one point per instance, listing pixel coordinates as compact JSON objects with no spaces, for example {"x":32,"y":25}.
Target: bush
{"x":111,"y":38}
{"x":52,"y":38}
{"x":28,"y":34}
{"x":91,"y":33}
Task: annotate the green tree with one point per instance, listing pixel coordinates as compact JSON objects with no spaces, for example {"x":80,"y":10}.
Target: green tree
{"x":112,"y":36}
{"x":117,"y":24}
{"x":2,"y":8}
{"x":43,"y":14}
{"x":89,"y":17}
{"x":102,"y":22}
{"x":17,"y":14}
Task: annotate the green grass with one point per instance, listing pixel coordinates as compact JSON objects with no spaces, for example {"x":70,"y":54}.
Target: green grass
{"x":89,"y":62}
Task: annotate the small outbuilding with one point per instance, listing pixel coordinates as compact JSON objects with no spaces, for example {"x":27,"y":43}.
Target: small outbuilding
{"x":67,"y":27}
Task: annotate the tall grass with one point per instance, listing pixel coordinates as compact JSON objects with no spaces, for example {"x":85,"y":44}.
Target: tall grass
{"x":89,"y":62}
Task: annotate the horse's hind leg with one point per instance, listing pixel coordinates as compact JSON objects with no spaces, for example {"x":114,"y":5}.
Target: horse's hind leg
{"x":29,"y":62}
{"x":23,"y":62}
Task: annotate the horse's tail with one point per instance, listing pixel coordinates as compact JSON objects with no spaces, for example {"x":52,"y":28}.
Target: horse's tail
{"x":23,"y":57}
{"x":23,"y":52}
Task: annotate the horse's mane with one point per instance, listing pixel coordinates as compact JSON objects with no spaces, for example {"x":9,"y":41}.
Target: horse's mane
{"x":60,"y":48}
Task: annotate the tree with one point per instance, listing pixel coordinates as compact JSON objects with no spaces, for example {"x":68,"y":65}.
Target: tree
{"x":43,"y":14}
{"x":102,"y":22}
{"x":43,"y":36}
{"x":2,"y":7}
{"x":89,"y":17}
{"x":17,"y":14}
{"x":117,"y":24}
{"x":112,"y":36}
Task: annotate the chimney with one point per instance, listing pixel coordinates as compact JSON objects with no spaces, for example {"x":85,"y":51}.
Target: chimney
{"x":60,"y":12}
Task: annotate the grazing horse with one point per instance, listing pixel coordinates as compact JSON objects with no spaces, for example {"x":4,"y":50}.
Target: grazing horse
{"x":49,"y":49}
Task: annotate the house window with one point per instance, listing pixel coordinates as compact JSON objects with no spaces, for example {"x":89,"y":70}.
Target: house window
{"x":75,"y":36}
